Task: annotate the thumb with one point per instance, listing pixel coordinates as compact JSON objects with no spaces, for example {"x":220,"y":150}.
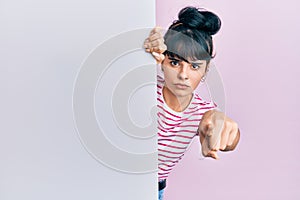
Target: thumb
{"x":159,"y":57}
{"x":213,"y":154}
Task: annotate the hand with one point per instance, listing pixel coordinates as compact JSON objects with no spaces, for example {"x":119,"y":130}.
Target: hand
{"x":155,"y":45}
{"x":217,"y":132}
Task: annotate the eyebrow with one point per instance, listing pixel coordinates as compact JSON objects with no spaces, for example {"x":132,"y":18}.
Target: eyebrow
{"x":175,"y":59}
{"x":198,"y":62}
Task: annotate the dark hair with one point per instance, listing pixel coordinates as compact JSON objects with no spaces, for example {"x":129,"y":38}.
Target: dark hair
{"x":190,"y":37}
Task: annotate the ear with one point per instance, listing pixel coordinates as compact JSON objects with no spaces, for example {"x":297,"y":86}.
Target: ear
{"x":207,"y":66}
{"x":161,"y":65}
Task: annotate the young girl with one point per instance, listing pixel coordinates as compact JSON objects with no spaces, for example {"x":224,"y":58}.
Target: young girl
{"x":184,"y":53}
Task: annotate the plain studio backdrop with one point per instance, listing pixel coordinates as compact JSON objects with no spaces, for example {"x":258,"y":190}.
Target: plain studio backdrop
{"x":257,"y":52}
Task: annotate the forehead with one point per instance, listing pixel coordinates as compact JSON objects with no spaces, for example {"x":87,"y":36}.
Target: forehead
{"x":186,"y":47}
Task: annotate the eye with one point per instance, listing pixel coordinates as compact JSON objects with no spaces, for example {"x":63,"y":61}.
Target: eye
{"x":174,"y":63}
{"x":195,"y":67}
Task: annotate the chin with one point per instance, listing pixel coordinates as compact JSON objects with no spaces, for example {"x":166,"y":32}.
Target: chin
{"x":182,"y":94}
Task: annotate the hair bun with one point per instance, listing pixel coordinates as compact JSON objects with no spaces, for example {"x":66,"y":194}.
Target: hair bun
{"x":202,"y":20}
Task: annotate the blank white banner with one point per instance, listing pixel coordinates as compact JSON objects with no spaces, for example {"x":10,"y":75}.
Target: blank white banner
{"x":45,"y":46}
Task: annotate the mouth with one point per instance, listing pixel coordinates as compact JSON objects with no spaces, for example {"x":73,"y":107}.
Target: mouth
{"x":181,"y":86}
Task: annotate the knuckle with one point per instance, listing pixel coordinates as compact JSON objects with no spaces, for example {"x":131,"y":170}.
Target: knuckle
{"x":209,"y":124}
{"x":235,"y":126}
{"x":154,"y":43}
{"x":227,"y":123}
{"x":160,"y":42}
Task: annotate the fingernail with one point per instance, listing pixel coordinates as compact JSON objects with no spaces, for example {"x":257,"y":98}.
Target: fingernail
{"x":155,"y":54}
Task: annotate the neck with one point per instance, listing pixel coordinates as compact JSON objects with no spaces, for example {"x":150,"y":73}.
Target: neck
{"x":176,"y":103}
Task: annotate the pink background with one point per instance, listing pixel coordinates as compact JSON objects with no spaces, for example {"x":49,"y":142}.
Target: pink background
{"x":257,"y":55}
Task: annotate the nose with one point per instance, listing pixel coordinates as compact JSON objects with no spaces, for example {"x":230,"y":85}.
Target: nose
{"x":183,"y":72}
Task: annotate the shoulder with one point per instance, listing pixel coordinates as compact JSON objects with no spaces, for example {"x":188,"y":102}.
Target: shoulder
{"x":199,"y":102}
{"x":160,"y":78}
{"x":160,"y":81}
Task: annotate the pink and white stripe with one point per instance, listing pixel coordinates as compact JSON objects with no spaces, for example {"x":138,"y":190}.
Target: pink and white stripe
{"x":176,"y":130}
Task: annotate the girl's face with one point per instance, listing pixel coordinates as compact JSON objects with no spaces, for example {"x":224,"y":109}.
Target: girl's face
{"x":182,"y":77}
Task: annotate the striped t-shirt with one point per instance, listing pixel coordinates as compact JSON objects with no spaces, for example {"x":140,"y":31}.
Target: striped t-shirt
{"x":176,"y":129}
